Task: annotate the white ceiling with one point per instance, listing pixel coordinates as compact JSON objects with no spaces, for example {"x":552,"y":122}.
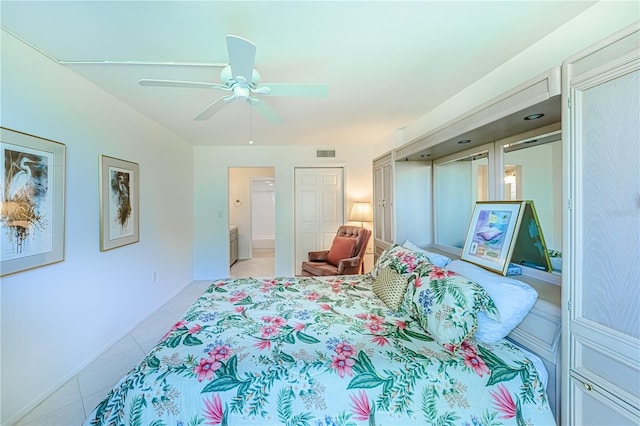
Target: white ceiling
{"x":385,"y":63}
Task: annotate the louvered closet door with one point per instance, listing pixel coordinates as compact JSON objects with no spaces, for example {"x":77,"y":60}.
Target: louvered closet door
{"x":604,"y":244}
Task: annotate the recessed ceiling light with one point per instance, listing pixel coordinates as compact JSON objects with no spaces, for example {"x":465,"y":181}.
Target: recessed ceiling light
{"x":534,"y":116}
{"x":251,"y":142}
{"x":464,"y":141}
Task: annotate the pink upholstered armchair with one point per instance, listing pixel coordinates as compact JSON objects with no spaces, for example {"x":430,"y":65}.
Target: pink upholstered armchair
{"x":345,"y":256}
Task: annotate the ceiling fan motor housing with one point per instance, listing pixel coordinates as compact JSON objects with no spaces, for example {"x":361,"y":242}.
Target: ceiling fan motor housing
{"x":230,"y":80}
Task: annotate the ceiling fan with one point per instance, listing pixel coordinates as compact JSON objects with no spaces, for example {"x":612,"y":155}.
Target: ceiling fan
{"x":244,"y":83}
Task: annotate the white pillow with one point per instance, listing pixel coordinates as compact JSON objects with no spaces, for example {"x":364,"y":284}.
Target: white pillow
{"x":437,"y":259}
{"x":514,"y":299}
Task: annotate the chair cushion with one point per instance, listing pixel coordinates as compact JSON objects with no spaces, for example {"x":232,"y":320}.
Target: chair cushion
{"x":342,"y":248}
{"x":390,"y":287}
{"x":318,"y":269}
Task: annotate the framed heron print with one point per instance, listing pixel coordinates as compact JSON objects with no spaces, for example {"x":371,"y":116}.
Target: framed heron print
{"x":32,"y":185}
{"x":119,"y":201}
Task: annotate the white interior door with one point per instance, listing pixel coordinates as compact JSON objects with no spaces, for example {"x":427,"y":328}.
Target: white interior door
{"x":319,"y":201}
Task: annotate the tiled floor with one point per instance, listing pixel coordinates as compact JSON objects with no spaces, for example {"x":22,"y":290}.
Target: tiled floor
{"x":75,"y":400}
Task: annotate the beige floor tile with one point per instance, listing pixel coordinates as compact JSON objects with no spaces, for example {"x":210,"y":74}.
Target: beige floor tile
{"x":70,"y":414}
{"x":149,"y":332}
{"x":75,"y":400}
{"x":67,"y":396}
{"x":90,"y":402}
{"x":262,"y":264}
{"x":109,"y":367}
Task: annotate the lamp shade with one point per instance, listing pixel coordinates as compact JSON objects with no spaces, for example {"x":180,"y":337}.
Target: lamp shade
{"x":361,"y":212}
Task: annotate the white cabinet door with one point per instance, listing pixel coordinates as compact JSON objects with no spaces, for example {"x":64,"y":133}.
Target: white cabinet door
{"x":602,"y":139}
{"x":387,"y":172}
{"x":383,"y":203}
{"x":593,"y":408}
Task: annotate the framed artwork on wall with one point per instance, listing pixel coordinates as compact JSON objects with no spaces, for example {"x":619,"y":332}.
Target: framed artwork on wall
{"x":119,"y":203}
{"x":32,"y":185}
{"x":491,"y":239}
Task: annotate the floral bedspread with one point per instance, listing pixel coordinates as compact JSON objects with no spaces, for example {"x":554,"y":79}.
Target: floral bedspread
{"x":318,"y":351}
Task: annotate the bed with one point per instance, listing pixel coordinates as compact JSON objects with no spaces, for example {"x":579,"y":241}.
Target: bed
{"x":331,"y":351}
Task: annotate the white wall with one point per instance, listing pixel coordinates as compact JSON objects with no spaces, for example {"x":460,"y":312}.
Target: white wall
{"x":593,"y":25}
{"x":211,"y":195}
{"x":58,"y":318}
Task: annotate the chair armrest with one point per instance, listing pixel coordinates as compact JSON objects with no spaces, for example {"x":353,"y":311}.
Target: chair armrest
{"x":318,"y":256}
{"x":350,"y":266}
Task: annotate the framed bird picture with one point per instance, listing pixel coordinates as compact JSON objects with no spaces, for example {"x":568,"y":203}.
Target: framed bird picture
{"x":32,"y":186}
{"x":119,"y":203}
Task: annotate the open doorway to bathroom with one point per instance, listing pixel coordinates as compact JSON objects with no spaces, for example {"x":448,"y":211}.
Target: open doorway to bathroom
{"x":252,"y":216}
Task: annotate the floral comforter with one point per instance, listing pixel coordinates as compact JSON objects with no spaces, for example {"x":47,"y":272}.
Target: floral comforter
{"x":318,"y":351}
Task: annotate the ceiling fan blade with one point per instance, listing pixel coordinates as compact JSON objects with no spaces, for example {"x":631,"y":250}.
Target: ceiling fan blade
{"x":287,"y":89}
{"x":267,"y":112}
{"x":212,"y":109}
{"x":175,"y":83}
{"x":242,"y":55}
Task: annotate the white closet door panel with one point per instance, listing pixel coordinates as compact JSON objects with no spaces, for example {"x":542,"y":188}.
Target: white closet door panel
{"x":309,"y":214}
{"x":307,"y":241}
{"x":610,"y":204}
{"x":378,"y":207}
{"x":330,"y":207}
{"x":387,"y":172}
{"x":591,"y":408}
{"x":603,"y":363}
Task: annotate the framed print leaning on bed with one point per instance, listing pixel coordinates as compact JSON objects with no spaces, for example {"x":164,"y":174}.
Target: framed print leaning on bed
{"x":32,"y":186}
{"x":119,"y":201}
{"x":491,"y":237}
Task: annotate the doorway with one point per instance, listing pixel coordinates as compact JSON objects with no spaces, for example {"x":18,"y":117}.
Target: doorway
{"x":263,"y":213}
{"x":251,"y":208}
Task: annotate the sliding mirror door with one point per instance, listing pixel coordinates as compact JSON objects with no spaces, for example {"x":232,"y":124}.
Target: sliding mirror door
{"x":459,"y":181}
{"x":533,"y":171}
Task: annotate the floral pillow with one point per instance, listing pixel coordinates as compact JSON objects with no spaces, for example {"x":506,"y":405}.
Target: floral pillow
{"x":400,"y":259}
{"x":446,"y":304}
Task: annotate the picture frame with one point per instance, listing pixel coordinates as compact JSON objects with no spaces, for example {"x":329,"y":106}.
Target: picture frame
{"x":491,"y":235}
{"x":530,"y":247}
{"x":119,"y":202}
{"x":32,"y":213}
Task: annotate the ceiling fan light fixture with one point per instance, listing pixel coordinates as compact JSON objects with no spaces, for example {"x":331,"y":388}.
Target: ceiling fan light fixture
{"x":225,"y":74}
{"x":241,"y":92}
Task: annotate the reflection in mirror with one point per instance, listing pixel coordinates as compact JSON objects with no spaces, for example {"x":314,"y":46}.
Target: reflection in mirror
{"x":459,"y":183}
{"x":533,"y":171}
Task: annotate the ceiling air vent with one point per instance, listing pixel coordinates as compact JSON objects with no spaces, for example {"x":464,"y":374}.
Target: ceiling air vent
{"x":325,"y":153}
